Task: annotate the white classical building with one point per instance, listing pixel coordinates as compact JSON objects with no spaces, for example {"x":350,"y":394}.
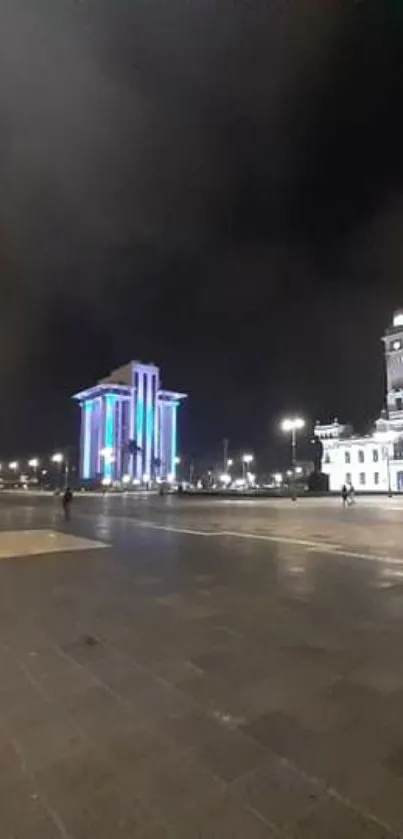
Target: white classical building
{"x":373,"y":463}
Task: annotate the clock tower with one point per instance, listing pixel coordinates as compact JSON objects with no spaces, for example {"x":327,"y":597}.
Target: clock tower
{"x":393,"y":341}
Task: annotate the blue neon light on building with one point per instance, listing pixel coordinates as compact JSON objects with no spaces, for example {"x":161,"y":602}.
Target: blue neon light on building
{"x":87,"y":407}
{"x":139,"y":422}
{"x":129,"y":404}
{"x":173,"y":439}
{"x":110,"y":404}
{"x":149,"y":424}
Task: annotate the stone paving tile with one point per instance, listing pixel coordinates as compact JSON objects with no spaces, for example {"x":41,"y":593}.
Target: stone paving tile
{"x":224,"y":750}
{"x":213,"y":694}
{"x":97,"y":712}
{"x":50,"y":742}
{"x":43,"y":829}
{"x":284,"y":736}
{"x":158,"y":832}
{"x":20,"y":805}
{"x":18,"y":696}
{"x":109,"y":816}
{"x":174,"y":785}
{"x":192,"y":728}
{"x":151,"y":696}
{"x":71,"y":782}
{"x":268,"y":654}
{"x":10,"y":763}
{"x":370,"y":787}
{"x":37,"y":712}
{"x":224,"y":820}
{"x":334,"y":820}
{"x":40,"y":662}
{"x":279,"y":793}
{"x":12,"y":674}
{"x":63,"y":684}
{"x":130,"y":752}
{"x":173,"y":669}
{"x":102,"y":660}
{"x":229,"y":754}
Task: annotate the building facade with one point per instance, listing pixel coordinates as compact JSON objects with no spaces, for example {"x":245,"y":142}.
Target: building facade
{"x":129,"y":427}
{"x":373,"y":463}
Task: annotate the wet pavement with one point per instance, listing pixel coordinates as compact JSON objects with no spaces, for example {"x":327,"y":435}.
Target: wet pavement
{"x":173,"y":668}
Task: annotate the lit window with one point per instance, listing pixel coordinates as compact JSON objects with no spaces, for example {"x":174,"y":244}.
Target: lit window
{"x":361,"y":456}
{"x":376,"y":478}
{"x":347,"y":458}
{"x":375,"y":455}
{"x":362,"y":478}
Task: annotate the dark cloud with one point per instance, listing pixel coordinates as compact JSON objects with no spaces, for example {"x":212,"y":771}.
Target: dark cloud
{"x":215,"y":185}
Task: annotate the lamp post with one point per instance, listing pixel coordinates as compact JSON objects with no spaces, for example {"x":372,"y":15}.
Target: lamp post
{"x":290,"y":425}
{"x":247,"y":459}
{"x":58,"y":457}
{"x":34,"y":464}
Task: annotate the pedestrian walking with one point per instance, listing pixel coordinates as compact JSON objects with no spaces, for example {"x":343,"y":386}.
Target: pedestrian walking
{"x":350,"y":494}
{"x":344,"y":495}
{"x":66,"y":502}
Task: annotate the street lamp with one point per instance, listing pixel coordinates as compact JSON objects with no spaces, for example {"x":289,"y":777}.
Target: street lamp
{"x":247,"y":459}
{"x":225,"y":479}
{"x":33,"y":464}
{"x":230,"y":463}
{"x":13,"y":465}
{"x":290,"y":425}
{"x":58,"y":457}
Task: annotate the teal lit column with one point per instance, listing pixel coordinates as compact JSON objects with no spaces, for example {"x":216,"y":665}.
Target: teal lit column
{"x":109,"y":437}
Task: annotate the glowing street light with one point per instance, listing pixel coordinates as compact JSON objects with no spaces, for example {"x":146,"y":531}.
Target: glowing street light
{"x":230,"y":463}
{"x":225,"y":479}
{"x":13,"y":465}
{"x":290,"y":425}
{"x":247,"y":459}
{"x":34,"y":464}
{"x":58,"y":457}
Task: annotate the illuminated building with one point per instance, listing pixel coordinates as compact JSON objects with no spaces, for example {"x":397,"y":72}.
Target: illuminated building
{"x":129,"y":426}
{"x":373,"y":463}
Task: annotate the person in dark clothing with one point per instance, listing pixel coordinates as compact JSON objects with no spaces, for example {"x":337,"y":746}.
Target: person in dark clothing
{"x":66,"y":502}
{"x":344,"y":495}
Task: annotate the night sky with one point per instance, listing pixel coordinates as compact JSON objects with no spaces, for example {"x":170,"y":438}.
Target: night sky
{"x":214,"y":186}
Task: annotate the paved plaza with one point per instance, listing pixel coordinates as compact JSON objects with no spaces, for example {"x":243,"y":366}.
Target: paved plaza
{"x":178,"y":668}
